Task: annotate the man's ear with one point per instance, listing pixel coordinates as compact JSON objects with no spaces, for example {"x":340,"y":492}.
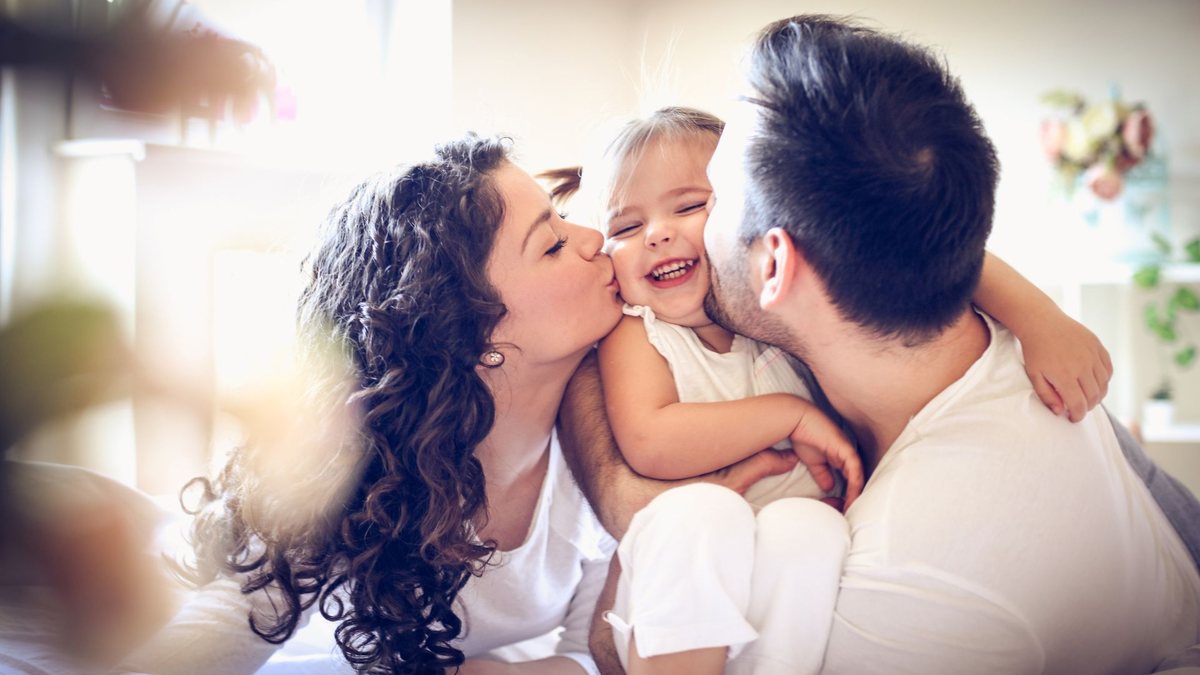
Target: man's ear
{"x":777,"y":267}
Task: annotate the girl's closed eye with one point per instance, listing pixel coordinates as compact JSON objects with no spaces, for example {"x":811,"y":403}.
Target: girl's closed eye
{"x":690,"y":208}
{"x":623,"y":230}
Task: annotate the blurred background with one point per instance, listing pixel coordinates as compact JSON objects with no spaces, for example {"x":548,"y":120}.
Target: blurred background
{"x":190,"y":220}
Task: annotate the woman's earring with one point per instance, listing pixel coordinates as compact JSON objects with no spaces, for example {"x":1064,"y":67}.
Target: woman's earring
{"x":492,"y":359}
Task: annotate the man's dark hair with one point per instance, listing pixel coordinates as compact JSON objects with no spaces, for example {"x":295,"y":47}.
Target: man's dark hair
{"x":869,"y":155}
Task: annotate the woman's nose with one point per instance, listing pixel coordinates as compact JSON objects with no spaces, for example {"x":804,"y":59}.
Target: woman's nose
{"x":590,"y":240}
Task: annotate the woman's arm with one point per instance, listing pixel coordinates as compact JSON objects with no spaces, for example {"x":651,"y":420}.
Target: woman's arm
{"x":1068,"y":366}
{"x":554,"y":665}
{"x":210,"y":634}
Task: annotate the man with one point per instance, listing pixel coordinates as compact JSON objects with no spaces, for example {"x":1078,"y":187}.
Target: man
{"x":853,"y":198}
{"x":853,"y":195}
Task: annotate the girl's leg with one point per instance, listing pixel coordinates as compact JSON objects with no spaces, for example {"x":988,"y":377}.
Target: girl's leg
{"x":686,"y":564}
{"x":799,"y":553}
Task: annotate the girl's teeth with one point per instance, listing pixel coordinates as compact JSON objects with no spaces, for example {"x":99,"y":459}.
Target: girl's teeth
{"x":672,"y":271}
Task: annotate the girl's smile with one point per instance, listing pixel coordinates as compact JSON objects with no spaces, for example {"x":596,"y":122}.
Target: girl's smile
{"x":673,"y":272}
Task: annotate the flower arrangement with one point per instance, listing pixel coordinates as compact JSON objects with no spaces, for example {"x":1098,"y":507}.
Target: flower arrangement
{"x":1099,"y":142}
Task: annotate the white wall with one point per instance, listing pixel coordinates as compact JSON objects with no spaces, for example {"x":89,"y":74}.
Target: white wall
{"x":548,"y":73}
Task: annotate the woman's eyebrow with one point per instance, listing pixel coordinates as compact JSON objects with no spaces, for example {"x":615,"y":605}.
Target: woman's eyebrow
{"x":540,"y":220}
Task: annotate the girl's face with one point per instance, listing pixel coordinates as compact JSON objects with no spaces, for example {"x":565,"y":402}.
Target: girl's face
{"x":558,"y":287}
{"x":655,"y":229}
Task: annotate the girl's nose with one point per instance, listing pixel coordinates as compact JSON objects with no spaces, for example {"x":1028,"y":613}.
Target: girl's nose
{"x":657,"y":234}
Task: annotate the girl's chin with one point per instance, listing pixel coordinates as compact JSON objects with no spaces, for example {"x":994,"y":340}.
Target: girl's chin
{"x":695,"y":319}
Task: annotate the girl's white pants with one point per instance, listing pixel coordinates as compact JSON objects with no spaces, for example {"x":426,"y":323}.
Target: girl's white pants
{"x":699,"y":568}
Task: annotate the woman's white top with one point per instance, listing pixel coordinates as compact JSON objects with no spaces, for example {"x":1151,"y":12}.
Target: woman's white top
{"x":550,"y":581}
{"x":750,"y":368}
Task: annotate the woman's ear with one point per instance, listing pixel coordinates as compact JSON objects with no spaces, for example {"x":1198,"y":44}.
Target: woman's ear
{"x":777,"y":268}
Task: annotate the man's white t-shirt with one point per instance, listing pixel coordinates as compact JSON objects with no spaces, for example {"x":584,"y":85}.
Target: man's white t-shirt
{"x":994,"y":537}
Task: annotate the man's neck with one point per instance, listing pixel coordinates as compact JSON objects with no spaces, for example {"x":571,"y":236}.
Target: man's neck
{"x":879,"y":386}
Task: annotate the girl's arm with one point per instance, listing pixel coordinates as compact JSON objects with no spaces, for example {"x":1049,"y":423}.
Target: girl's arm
{"x":614,"y":490}
{"x":660,"y":437}
{"x":1068,"y":366}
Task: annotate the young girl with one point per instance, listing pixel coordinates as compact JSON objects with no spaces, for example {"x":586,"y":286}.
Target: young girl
{"x":685,"y":397}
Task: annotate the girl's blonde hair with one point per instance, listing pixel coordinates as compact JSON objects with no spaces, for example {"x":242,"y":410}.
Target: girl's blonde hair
{"x":625,"y":150}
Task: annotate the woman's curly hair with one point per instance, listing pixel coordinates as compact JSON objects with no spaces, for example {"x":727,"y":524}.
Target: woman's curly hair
{"x":399,"y":284}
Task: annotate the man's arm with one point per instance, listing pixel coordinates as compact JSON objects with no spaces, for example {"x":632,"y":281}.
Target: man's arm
{"x":600,"y":638}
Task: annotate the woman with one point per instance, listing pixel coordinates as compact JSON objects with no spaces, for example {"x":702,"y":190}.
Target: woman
{"x":465,"y":303}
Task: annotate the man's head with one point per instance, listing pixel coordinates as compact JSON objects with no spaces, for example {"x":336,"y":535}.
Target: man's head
{"x":862,"y":151}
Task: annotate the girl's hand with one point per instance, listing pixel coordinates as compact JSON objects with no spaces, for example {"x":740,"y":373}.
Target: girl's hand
{"x":1068,"y":366}
{"x":819,"y":444}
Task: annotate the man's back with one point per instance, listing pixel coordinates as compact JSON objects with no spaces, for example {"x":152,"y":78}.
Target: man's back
{"x":994,"y":537}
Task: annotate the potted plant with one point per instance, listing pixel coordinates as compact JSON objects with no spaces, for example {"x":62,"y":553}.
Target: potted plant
{"x":1162,"y":319}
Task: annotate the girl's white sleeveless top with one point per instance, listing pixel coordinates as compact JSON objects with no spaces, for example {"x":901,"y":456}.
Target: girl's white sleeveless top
{"x":750,"y":368}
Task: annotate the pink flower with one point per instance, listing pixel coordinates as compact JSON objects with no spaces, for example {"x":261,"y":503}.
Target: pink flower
{"x":1104,"y":180}
{"x":1053,"y":134}
{"x":1137,"y":132}
{"x":1125,"y":162}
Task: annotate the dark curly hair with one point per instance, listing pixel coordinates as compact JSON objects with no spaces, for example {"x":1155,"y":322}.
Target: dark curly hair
{"x":399,"y":284}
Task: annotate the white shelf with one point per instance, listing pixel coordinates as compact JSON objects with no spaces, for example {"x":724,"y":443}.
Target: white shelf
{"x":1180,"y":273}
{"x":1172,"y":433}
{"x":1120,"y":274}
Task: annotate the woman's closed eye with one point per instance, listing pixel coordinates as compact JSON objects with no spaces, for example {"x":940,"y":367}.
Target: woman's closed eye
{"x":558,"y":246}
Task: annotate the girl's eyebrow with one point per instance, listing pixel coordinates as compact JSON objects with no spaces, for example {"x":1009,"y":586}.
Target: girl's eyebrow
{"x":674,"y":192}
{"x":685,"y":190}
{"x":613,"y":214}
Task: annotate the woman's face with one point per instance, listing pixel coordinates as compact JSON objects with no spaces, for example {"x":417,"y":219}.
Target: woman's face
{"x":559,"y":289}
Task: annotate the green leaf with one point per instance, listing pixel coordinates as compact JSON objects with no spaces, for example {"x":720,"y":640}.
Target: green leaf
{"x":1151,"y":315}
{"x":1147,"y":276}
{"x":1184,"y":357}
{"x":1164,"y":328}
{"x":1161,"y":243}
{"x":1185,"y":298}
{"x":1193,"y":250}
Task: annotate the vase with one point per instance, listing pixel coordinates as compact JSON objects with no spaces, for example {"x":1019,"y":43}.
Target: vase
{"x":1158,"y":414}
